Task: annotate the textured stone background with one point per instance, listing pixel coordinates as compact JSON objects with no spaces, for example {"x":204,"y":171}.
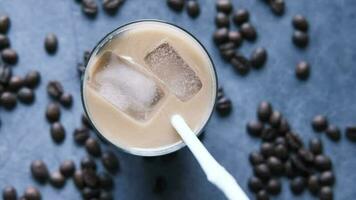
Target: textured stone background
{"x":24,"y":133}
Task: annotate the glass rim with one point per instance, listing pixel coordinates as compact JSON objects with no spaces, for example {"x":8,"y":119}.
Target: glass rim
{"x":147,"y":152}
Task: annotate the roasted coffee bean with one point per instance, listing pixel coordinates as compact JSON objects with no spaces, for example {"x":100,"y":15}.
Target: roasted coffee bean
{"x":104,"y":195}
{"x":4,"y":41}
{"x":262,"y":195}
{"x":78,"y":179}
{"x":255,"y":184}
{"x":326,"y":193}
{"x":39,"y":171}
{"x":281,"y":151}
{"x":4,"y":23}
{"x":275,"y":165}
{"x":86,"y":56}
{"x":241,"y":64}
{"x":333,"y":132}
{"x":193,"y":8}
{"x":224,"y":106}
{"x":90,"y":178}
{"x":32,"y":78}
{"x":57,"y":132}
{"x":110,"y":161}
{"x":319,"y":123}
{"x":15,"y":83}
{"x":255,"y":128}
{"x":248,"y":31}
{"x":9,"y":193}
{"x":111,"y":6}
{"x":322,"y":162}
{"x":227,"y":46}
{"x":297,"y":185}
{"x":159,"y":185}
{"x":93,"y":147}
{"x":227,"y":55}
{"x":235,"y":37}
{"x":266,"y":149}
{"x":264,"y":111}
{"x":302,"y":70}
{"x":53,"y":112}
{"x":298,"y":164}
{"x":275,"y":119}
{"x":316,"y":146}
{"x":240,"y":16}
{"x":351,"y":133}
{"x":26,"y":95}
{"x":57,"y":179}
{"x":277,"y":6}
{"x":300,"y":22}
{"x":280,"y":140}
{"x":224,"y":6}
{"x":274,"y":186}
{"x":9,"y":56}
{"x":81,"y":69}
{"x":256,"y":158}
{"x":51,"y":43}
{"x":66,"y":99}
{"x":258,"y":57}
{"x":90,"y":193}
{"x":32,"y":193}
{"x":313,"y":184}
{"x":269,"y":134}
{"x":81,"y":135}
{"x":86,"y":122}
{"x":8,"y":100}
{"x":5,"y":74}
{"x":327,"y":178}
{"x":221,"y":36}
{"x":300,"y":39}
{"x":176,"y":5}
{"x":262,"y":171}
{"x":293,"y":140}
{"x":67,"y":168}
{"x":54,"y":89}
{"x":289,"y":169}
{"x":222,"y":20}
{"x":220,"y":92}
{"x":106,"y":181}
{"x":305,"y":155}
{"x":89,"y":7}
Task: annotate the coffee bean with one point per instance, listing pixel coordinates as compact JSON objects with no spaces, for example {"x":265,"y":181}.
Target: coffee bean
{"x":333,"y":132}
{"x":81,"y":135}
{"x":32,"y":79}
{"x":90,"y":193}
{"x":275,"y":165}
{"x":289,"y":169}
{"x":264,"y":111}
{"x":90,"y":178}
{"x":293,"y":140}
{"x":9,"y":56}
{"x":86,"y":56}
{"x":300,"y":39}
{"x":255,"y":184}
{"x":326,"y":193}
{"x":81,"y":69}
{"x":258,"y":57}
{"x":222,"y":20}
{"x":302,"y":70}
{"x":306,"y":156}
{"x":228,"y":54}
{"x":220,"y":92}
{"x":327,"y":178}
{"x":53,"y":112}
{"x":89,"y":7}
{"x":241,"y":64}
{"x":256,"y":158}
{"x":275,"y":119}
{"x":55,"y":89}
{"x":9,"y":193}
{"x":93,"y":147}
{"x":32,"y":193}
{"x":280,"y":140}
{"x":66,"y":99}
{"x":57,"y":179}
{"x":322,"y":162}
{"x":51,"y":43}
{"x":266,"y":149}
{"x":351,"y":133}
{"x":274,"y":186}
{"x":269,"y":134}
{"x":78,"y":179}
{"x":5,"y":74}
{"x":319,"y":123}
{"x":248,"y":31}
{"x":224,"y":106}
{"x":39,"y":171}
{"x":313,"y":184}
{"x":106,"y":182}
{"x":224,"y":6}
{"x":235,"y":37}
{"x":67,"y":168}
{"x":262,"y":171}
{"x":240,"y":16}
{"x":316,"y":146}
{"x":226,"y":46}
{"x":277,"y":6}
{"x":110,"y":161}
{"x":297,"y":185}
{"x":300,"y":22}
{"x":15,"y":83}
{"x":106,"y":196}
{"x":255,"y":128}
{"x":4,"y":23}
{"x":25,"y":95}
{"x":57,"y":132}
{"x":193,"y":8}
{"x":86,"y":122}
{"x":176,"y":5}
{"x":281,"y":151}
{"x":4,"y":41}
{"x":301,"y":167}
{"x":262,"y":195}
{"x":111,"y":6}
{"x":8,"y":100}
{"x":221,"y":35}
{"x":160,"y":185}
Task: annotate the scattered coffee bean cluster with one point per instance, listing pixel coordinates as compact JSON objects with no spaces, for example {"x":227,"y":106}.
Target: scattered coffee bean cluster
{"x":192,"y":6}
{"x":90,"y":7}
{"x":283,"y":154}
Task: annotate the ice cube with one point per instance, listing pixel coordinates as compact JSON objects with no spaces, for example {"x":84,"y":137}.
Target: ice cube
{"x":165,"y":62}
{"x":126,"y":86}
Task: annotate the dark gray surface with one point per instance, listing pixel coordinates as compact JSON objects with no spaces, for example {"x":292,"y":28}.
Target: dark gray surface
{"x":24,"y":133}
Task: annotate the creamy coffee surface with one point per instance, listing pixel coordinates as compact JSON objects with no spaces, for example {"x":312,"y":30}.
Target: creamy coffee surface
{"x":140,"y":77}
